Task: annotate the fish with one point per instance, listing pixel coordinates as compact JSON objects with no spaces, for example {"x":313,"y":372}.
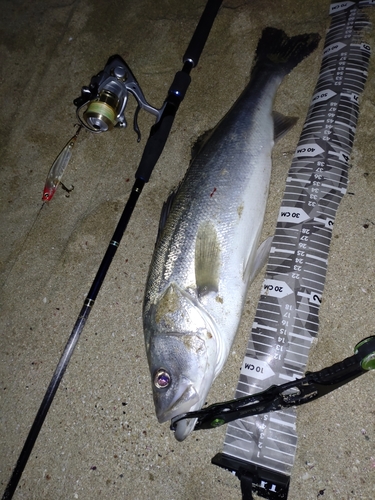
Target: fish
{"x":206,"y":253}
{"x":58,"y":168}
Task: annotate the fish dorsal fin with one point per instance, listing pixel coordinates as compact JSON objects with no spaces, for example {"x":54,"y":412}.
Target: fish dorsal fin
{"x":207,"y":259}
{"x":282,"y":124}
{"x":253,"y":266}
{"x":200,"y":142}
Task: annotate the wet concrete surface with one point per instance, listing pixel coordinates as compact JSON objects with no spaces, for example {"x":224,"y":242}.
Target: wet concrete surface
{"x":101,"y":438}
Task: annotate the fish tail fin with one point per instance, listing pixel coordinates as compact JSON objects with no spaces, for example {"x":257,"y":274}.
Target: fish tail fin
{"x":277,"y":49}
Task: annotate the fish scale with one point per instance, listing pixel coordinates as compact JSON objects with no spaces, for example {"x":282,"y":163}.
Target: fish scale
{"x":287,"y":315}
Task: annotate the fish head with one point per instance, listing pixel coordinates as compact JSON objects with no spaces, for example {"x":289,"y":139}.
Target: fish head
{"x":179,"y":374}
{"x":182,"y":356}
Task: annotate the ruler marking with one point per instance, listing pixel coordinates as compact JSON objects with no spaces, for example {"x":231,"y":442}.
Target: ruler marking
{"x":315,"y":257}
{"x":317,"y":242}
{"x":264,"y":327}
{"x":287,"y":377}
{"x":277,"y":239}
{"x":278,"y":461}
{"x":280,"y":266}
{"x":265,"y":336}
{"x":277,"y":450}
{"x":261,"y":318}
{"x":312,"y":262}
{"x":287,"y":413}
{"x":260,"y":343}
{"x":269,"y":306}
{"x":279,"y":273}
{"x":304,"y":328}
{"x":282,"y":432}
{"x":300,"y":346}
{"x":349,"y":125}
{"x":331,"y":187}
{"x":256,"y":351}
{"x":305,"y":309}
{"x":297,"y":373}
{"x":295,"y":370}
{"x":282,"y":257}
{"x":267,"y":310}
{"x":313,"y":281}
{"x":280,"y":243}
{"x":243,"y":427}
{"x":238,"y":437}
{"x":255,"y":387}
{"x":289,"y":230}
{"x":236,"y":447}
{"x":285,"y":243}
{"x":315,"y":273}
{"x":323,"y":229}
{"x":303,"y":337}
{"x":281,"y":422}
{"x":316,"y":290}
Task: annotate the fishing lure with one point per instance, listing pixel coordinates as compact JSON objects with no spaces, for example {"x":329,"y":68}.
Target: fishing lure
{"x":58,"y":168}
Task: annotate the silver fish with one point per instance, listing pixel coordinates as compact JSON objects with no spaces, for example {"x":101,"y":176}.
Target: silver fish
{"x":206,"y":252}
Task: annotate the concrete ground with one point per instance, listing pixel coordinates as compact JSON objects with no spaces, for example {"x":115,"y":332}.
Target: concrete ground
{"x":101,"y":438}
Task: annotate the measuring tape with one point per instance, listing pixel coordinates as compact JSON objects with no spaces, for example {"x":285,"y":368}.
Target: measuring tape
{"x":261,"y":449}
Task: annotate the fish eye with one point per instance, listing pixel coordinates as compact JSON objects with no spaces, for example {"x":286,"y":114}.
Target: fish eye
{"x":162,"y":379}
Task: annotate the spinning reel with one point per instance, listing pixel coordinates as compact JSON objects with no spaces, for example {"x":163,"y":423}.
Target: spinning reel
{"x":101,"y":105}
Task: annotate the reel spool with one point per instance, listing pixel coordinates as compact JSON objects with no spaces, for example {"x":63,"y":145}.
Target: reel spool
{"x":101,"y":114}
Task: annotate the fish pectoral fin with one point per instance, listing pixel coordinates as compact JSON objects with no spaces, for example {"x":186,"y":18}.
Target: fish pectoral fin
{"x":282,"y":124}
{"x":207,"y":259}
{"x":253,"y":267}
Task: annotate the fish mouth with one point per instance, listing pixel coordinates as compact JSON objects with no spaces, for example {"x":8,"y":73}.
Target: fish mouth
{"x":184,"y":428}
{"x":182,"y":403}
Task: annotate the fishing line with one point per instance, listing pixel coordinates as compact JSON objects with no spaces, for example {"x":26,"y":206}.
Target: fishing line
{"x":22,"y":244}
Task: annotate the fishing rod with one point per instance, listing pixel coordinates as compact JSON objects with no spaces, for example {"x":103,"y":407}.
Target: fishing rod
{"x":102,"y":118}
